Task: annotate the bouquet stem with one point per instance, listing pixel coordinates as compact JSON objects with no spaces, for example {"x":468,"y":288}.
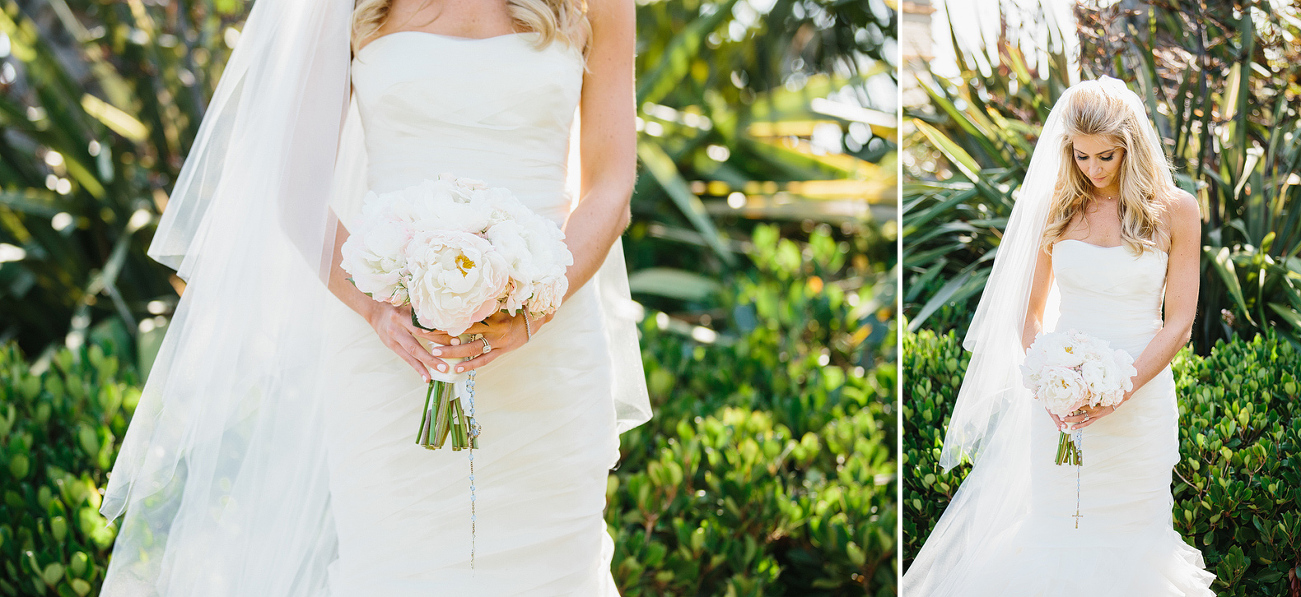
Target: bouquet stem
{"x":444,"y":417}
{"x":1068,"y":452}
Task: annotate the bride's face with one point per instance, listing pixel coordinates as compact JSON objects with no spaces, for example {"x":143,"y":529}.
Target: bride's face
{"x":1099,"y":158}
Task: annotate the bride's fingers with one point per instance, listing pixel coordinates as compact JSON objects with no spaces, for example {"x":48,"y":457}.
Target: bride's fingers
{"x":405,"y":354}
{"x":471,"y":349}
{"x":413,"y":361}
{"x":477,"y":362}
{"x":463,"y":351}
{"x":420,"y":354}
{"x":435,"y":336}
{"x":1083,"y":420}
{"x":438,"y":336}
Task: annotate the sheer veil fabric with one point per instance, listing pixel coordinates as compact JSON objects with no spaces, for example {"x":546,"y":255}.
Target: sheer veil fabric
{"x":990,"y":425}
{"x":222,"y":474}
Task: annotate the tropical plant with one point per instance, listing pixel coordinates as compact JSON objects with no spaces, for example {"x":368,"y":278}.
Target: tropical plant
{"x":1223,"y":94}
{"x":978,"y":149}
{"x":756,"y":112}
{"x":93,"y":124}
{"x":1218,"y":81}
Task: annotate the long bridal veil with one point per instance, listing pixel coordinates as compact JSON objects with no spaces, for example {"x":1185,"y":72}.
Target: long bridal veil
{"x":990,"y":425}
{"x":222,"y":474}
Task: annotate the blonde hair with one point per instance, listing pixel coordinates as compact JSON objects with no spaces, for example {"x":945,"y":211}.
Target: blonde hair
{"x":563,"y":20}
{"x":1143,"y":172}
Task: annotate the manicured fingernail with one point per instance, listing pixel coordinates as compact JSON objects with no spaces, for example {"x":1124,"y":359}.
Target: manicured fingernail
{"x":442,"y":367}
{"x":460,"y":369}
{"x":436,"y":351}
{"x":456,"y":341}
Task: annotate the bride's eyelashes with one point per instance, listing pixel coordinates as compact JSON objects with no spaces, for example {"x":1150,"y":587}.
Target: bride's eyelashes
{"x":1106,"y":158}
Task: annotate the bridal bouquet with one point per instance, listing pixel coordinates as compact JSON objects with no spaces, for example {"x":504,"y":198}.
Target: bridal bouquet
{"x":456,"y":251}
{"x":1071,"y":370}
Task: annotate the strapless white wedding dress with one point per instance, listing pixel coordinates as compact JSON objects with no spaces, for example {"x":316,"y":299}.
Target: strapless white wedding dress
{"x":1126,"y":545}
{"x":498,"y":110}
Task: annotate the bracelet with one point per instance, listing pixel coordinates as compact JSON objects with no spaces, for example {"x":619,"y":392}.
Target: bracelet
{"x":528,"y":326}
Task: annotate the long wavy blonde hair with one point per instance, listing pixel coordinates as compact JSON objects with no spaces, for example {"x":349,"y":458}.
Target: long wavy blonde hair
{"x":1093,"y":110}
{"x":555,"y":20}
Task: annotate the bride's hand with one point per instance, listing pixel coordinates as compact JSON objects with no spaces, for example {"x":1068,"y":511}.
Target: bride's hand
{"x":394,"y":328}
{"x":503,"y":331}
{"x":1086,"y":416}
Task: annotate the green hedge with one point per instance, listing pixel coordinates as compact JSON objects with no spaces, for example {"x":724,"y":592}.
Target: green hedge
{"x":769,"y":466}
{"x":767,"y":470}
{"x":1237,"y":486}
{"x":59,"y":433}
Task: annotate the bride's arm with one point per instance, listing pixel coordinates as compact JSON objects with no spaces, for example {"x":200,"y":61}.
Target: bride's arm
{"x":1039,"y":287}
{"x":1183,"y":277}
{"x":608,"y":145}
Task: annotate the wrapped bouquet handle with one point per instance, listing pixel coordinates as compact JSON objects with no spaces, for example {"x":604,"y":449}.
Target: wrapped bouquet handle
{"x":445,"y":416}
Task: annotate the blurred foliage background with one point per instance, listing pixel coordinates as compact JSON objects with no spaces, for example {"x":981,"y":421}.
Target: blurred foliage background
{"x":762,"y":249}
{"x":1221,"y":83}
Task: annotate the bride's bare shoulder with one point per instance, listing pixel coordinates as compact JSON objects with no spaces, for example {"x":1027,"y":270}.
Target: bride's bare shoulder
{"x":1180,"y":212}
{"x":1180,"y":205}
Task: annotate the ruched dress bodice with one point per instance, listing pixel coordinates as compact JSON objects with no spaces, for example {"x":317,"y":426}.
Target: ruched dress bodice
{"x":1110,"y":293}
{"x":494,"y":109}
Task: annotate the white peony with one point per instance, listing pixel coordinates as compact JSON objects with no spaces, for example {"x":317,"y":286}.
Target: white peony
{"x":1035,"y":361}
{"x":1062,"y":390}
{"x":455,"y":280}
{"x":1061,"y":350}
{"x":536,"y":254}
{"x":457,"y":250}
{"x":443,"y":205}
{"x":1092,"y":348}
{"x":1126,"y":364}
{"x":375,"y":257}
{"x":1103,"y":374}
{"x":1101,"y":379}
{"x":547,"y":295}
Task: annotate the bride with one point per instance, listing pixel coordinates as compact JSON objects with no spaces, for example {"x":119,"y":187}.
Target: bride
{"x":273,"y":451}
{"x":1100,"y":241}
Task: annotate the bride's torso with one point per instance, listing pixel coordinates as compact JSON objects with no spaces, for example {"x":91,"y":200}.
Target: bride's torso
{"x":495,"y":109}
{"x":1110,"y":292}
